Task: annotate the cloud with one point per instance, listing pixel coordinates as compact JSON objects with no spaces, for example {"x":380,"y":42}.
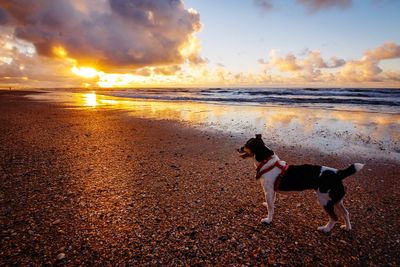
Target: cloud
{"x":314,"y":57}
{"x":311,"y":67}
{"x":310,"y":5}
{"x":336,"y":62}
{"x":386,"y":51}
{"x":367,"y":69}
{"x":20,"y":66}
{"x":167,"y":70}
{"x":309,"y":62}
{"x":117,"y":34}
{"x":284,"y":64}
{"x":316,"y":5}
{"x":391,"y":76}
{"x":262,"y":61}
{"x":265,"y":5}
{"x":360,"y":71}
{"x":3,"y":17}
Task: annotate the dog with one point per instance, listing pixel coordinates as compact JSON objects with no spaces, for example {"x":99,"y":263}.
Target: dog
{"x":275,"y":175}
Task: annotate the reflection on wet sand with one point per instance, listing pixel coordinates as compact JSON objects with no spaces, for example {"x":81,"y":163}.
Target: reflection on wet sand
{"x":90,"y":100}
{"x":327,"y":130}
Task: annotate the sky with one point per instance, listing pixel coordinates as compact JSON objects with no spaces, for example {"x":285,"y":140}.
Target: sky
{"x":199,"y":43}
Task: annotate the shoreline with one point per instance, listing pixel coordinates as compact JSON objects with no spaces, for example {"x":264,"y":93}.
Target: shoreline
{"x":328,"y":131}
{"x":104,"y":187}
{"x":106,"y":93}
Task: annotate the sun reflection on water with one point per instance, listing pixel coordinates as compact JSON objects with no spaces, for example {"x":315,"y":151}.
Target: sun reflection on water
{"x":90,"y":100}
{"x":328,"y":130}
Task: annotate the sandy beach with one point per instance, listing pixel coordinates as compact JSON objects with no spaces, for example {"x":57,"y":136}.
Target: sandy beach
{"x":99,"y":187}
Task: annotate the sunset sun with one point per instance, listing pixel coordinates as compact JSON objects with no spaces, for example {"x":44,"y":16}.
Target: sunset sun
{"x":85,"y":72}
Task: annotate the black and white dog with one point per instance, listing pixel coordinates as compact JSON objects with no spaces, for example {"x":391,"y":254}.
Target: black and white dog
{"x":276,"y":175}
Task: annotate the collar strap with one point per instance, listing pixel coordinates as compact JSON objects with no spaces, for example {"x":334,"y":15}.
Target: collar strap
{"x":276,"y":164}
{"x":262,"y":163}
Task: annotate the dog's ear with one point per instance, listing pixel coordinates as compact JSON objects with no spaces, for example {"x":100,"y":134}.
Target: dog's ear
{"x":258,"y":136}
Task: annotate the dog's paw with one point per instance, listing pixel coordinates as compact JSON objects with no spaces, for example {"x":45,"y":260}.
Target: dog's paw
{"x":266,"y":221}
{"x":344,"y":227}
{"x":324,"y":229}
{"x":265,"y":204}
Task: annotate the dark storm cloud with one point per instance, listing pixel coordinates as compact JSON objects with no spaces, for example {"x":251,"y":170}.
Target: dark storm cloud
{"x":105,"y":33}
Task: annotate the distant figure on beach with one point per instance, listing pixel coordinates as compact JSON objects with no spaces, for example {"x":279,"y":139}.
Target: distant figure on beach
{"x":10,"y":88}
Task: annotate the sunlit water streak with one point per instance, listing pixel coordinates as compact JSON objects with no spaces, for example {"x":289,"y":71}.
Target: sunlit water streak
{"x":330,"y":131}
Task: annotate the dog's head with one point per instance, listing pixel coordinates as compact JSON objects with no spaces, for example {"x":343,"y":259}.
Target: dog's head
{"x":255,"y":147}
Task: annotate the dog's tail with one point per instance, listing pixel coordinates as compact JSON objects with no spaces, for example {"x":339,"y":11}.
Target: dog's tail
{"x":352,"y":169}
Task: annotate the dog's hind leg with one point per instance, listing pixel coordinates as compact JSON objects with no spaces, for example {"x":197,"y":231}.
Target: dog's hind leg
{"x":328,"y":204}
{"x":343,"y":211}
{"x":333,"y":218}
{"x":329,"y":200}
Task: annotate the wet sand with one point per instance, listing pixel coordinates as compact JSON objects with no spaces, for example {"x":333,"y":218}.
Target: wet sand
{"x":101,"y":187}
{"x":331,"y":131}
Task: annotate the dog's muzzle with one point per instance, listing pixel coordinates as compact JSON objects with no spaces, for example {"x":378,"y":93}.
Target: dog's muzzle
{"x":243,"y":153}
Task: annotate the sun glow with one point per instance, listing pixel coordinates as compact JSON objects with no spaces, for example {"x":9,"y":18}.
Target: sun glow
{"x":116,"y":80}
{"x":59,"y":51}
{"x":90,"y":99}
{"x":86,"y":72}
{"x":188,"y":74}
{"x":191,"y":47}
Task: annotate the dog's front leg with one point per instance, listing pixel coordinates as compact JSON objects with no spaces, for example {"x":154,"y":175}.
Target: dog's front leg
{"x":266,"y":202}
{"x":270,"y":199}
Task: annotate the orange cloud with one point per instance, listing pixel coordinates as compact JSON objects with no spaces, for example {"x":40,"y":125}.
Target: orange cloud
{"x":367,"y":69}
{"x":360,"y":71}
{"x":386,"y":51}
{"x":309,"y":64}
{"x":312,"y":68}
{"x":285,"y":64}
{"x":116,"y":35}
{"x":20,"y":66}
{"x":314,"y":57}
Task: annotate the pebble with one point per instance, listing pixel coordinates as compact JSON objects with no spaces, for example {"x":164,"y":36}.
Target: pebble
{"x":60,"y":256}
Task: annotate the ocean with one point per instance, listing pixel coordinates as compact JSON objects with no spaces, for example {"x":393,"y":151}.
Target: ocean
{"x":372,"y":100}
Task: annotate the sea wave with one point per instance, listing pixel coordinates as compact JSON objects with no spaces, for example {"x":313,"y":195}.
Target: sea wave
{"x":382,"y":99}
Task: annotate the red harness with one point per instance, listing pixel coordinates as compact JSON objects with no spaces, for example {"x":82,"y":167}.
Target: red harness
{"x":276,"y":164}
